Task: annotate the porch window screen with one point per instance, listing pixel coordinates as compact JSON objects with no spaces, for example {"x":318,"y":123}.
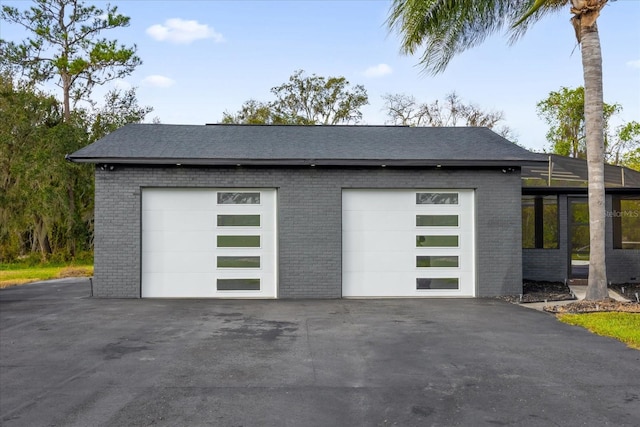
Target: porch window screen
{"x":540,"y":222}
{"x":626,"y":222}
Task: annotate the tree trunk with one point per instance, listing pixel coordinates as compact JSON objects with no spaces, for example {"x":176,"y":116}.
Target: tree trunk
{"x":71,"y":225}
{"x":42,"y":237}
{"x":594,"y":127}
{"x":66,"y":96}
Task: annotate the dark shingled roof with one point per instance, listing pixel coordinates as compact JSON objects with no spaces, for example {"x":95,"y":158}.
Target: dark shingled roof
{"x":158,"y":144}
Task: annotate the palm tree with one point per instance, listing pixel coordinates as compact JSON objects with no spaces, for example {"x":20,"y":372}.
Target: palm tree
{"x":442,"y":29}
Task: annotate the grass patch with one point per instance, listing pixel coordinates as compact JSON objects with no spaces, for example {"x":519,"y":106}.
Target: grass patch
{"x":14,"y":275}
{"x":624,"y":327}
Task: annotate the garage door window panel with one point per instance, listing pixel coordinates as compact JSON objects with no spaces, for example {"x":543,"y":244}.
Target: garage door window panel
{"x":437,"y":198}
{"x":439,"y":283}
{"x":435,"y":261}
{"x":238,"y":284}
{"x":238,"y":262}
{"x":238,"y":220}
{"x":436,"y":220}
{"x":238,"y":241}
{"x":434,"y":241}
{"x":239,"y":198}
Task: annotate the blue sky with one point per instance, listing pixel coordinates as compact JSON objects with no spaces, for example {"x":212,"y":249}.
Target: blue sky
{"x":201,"y":58}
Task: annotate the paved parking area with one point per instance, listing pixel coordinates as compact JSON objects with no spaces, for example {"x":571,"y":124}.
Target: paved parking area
{"x":70,"y":360}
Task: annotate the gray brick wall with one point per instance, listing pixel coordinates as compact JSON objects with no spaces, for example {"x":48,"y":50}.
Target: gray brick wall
{"x":309,"y":221}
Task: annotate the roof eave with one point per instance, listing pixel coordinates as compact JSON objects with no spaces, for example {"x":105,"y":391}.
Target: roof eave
{"x":302,"y":162}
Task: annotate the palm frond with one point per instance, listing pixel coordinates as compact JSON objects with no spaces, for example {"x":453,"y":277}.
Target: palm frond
{"x":537,"y":5}
{"x":441,"y":29}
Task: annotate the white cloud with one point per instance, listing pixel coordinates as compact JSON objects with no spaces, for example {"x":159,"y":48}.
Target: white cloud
{"x":634,"y":64}
{"x":158,"y":81}
{"x":180,"y":31}
{"x":378,"y":70}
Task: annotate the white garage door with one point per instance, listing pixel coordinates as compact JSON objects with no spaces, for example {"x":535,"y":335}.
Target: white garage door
{"x":408,"y":243}
{"x":209,"y":243}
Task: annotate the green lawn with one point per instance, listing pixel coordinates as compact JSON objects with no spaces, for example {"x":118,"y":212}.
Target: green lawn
{"x":624,"y":327}
{"x":17,"y":274}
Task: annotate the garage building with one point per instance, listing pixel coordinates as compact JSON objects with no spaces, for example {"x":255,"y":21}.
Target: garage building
{"x":249,"y":211}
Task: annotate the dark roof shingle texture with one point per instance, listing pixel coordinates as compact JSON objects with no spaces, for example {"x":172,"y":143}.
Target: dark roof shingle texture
{"x":290,"y":145}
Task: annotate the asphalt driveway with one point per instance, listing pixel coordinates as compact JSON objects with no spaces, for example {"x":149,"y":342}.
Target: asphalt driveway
{"x":70,"y":360}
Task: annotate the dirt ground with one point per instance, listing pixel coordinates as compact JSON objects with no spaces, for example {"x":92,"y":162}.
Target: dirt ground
{"x":558,"y":291}
{"x":595,"y":306}
{"x":534,"y":291}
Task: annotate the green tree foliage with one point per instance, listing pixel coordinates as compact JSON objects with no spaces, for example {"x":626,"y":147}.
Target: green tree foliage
{"x":632,"y":159}
{"x":305,"y":100}
{"x":444,"y":29}
{"x":625,"y":149}
{"x":563,"y":111}
{"x":404,"y":110}
{"x":34,"y":198}
{"x":252,"y":112}
{"x":65,"y":46}
{"x":119,"y":109}
{"x":47,"y":203}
